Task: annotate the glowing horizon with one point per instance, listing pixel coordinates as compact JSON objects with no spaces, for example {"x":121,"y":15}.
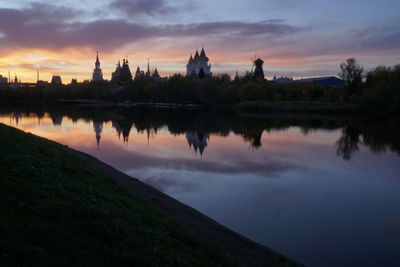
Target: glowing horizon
{"x":295,"y":38}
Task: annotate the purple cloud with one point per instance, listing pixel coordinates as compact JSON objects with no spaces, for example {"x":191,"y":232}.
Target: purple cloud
{"x":50,"y":27}
{"x":139,"y":7}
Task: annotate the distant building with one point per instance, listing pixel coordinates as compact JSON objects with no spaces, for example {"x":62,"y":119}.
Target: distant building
{"x":16,"y":83}
{"x":126,"y":75}
{"x":117,"y":73}
{"x":41,"y":82}
{"x":74,"y":81}
{"x":156,"y":76}
{"x":198,"y":65}
{"x":282,"y":79}
{"x":139,"y":74}
{"x":148,"y":73}
{"x":97,"y":73}
{"x":3,"y":80}
{"x":324,"y":81}
{"x":258,"y":71}
{"x":56,"y":80}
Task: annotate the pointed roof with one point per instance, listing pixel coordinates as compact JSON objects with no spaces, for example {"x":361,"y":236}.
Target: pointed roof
{"x":196,"y":56}
{"x":148,"y":68}
{"x":155,"y":74}
{"x":97,"y":58}
{"x":203,"y":53}
{"x":138,"y":69}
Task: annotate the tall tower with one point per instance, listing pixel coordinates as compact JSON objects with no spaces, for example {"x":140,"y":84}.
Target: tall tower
{"x":258,"y":72}
{"x":97,"y":74}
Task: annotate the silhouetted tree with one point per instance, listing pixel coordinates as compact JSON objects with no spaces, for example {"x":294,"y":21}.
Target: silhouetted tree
{"x":351,"y":72}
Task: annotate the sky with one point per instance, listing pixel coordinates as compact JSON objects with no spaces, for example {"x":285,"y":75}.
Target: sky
{"x":299,"y":38}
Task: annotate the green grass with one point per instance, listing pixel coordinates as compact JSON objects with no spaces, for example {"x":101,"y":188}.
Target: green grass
{"x":56,"y":210}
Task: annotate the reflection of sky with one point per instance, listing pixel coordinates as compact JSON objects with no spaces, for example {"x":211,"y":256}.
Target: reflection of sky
{"x":293,"y":194}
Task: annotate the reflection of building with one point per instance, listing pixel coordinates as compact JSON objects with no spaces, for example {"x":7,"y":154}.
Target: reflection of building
{"x":198,"y":65}
{"x":98,"y":128}
{"x":198,"y":141}
{"x":57,"y":119}
{"x":123,"y":127}
{"x":97,"y":74}
{"x":17,"y":116}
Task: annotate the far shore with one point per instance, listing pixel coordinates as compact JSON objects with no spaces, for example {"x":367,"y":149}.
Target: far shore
{"x":295,"y":107}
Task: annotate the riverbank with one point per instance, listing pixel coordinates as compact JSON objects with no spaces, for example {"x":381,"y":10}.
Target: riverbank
{"x":62,"y":207}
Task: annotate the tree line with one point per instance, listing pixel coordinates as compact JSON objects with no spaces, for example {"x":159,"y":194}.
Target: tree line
{"x":378,"y":89}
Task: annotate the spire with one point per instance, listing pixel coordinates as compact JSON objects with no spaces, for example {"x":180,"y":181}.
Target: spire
{"x":203,"y":53}
{"x":148,"y":68}
{"x":97,"y":57}
{"x":196,"y":56}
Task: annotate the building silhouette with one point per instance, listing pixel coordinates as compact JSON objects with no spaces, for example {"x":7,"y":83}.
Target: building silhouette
{"x":16,"y":83}
{"x":125,"y":75}
{"x":198,"y":141}
{"x":98,"y":128}
{"x":56,"y":80}
{"x":115,"y":76}
{"x":97,"y":73}
{"x":198,"y":65}
{"x":123,"y":127}
{"x":259,"y":71}
{"x":3,"y":80}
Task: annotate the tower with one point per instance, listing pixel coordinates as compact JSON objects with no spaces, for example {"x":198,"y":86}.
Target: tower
{"x":126,"y":75}
{"x":258,"y":71}
{"x":97,"y":74}
{"x":148,"y":74}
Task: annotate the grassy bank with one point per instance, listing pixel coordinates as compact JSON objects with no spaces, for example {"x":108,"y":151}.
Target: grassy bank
{"x":60,"y":207}
{"x":57,"y":210}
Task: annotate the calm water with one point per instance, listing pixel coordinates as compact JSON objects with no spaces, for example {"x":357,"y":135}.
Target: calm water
{"x":324,"y":192}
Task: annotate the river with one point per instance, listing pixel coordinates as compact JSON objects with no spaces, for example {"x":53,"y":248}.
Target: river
{"x":323,"y":191}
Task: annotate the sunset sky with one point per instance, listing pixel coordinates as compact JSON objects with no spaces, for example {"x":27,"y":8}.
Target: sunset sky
{"x":302,"y":38}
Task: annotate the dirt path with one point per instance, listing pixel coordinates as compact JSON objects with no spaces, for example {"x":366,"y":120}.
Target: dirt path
{"x":246,"y":251}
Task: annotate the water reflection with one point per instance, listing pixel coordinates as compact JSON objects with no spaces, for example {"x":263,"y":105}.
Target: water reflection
{"x":322,"y":191}
{"x":198,"y":126}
